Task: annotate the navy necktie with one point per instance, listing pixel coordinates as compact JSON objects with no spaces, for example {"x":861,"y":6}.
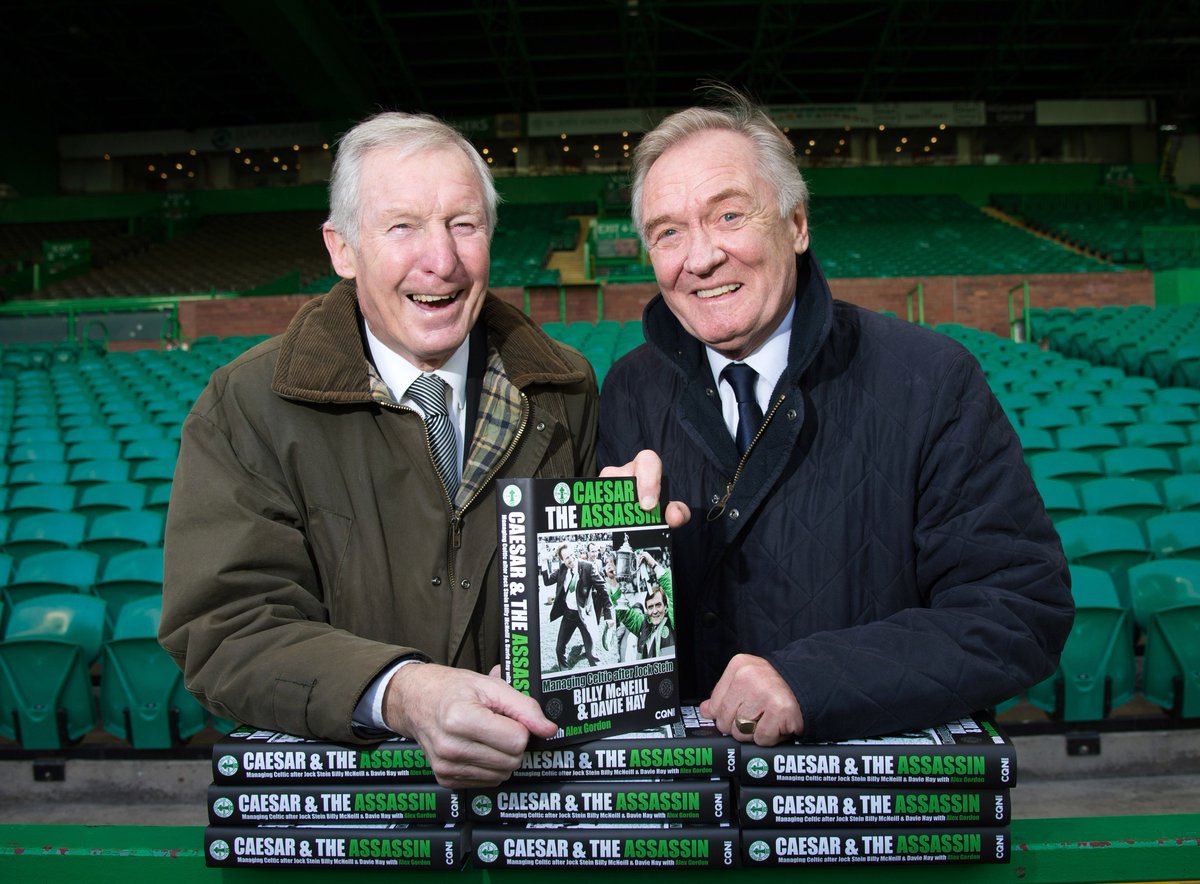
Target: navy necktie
{"x":742,"y":378}
{"x":429,"y":392}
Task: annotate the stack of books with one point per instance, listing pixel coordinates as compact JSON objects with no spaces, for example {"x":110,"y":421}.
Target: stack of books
{"x":278,"y":800}
{"x":681,"y":795}
{"x":936,"y":795}
{"x":663,"y":797}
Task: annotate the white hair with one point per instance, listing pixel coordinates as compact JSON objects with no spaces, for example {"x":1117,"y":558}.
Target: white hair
{"x":410,"y":134}
{"x":734,"y":112}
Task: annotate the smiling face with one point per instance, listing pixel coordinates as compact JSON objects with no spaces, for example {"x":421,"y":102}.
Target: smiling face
{"x":421,"y":264}
{"x":723,"y":256}
{"x":656,"y":606}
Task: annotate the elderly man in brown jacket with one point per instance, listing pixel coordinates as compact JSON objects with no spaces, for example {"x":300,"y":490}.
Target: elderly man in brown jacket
{"x":330,"y":550}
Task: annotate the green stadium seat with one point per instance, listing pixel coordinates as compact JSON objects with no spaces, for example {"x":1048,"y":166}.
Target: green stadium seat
{"x":1174,"y":535}
{"x":48,"y":573}
{"x":142,"y":696}
{"x":139,"y":430}
{"x":95,"y":472}
{"x":90,"y":433}
{"x":1035,"y":439}
{"x":1182,"y":492}
{"x":35,"y":436}
{"x":36,"y":451}
{"x":1186,"y":368}
{"x":1076,"y":399}
{"x":46,"y":698}
{"x":109,"y":497}
{"x":92,"y":450}
{"x":1110,"y":543}
{"x":154,"y":473}
{"x":1049,"y":418}
{"x":38,"y":472}
{"x":1188,"y":458}
{"x":1137,"y":382}
{"x":26,"y":500}
{"x":1169,"y":437}
{"x":1129,"y":498}
{"x":1188,"y":395}
{"x":122,"y":531}
{"x":151,"y":449}
{"x":1075,"y":467}
{"x":1109,"y":415}
{"x":1097,"y":671}
{"x":43,"y":532}
{"x":1138,"y":462}
{"x":1126,"y":398}
{"x":1089,"y":439}
{"x":1167,"y":604}
{"x":1162,"y":413}
{"x":1162,"y":583}
{"x":1060,"y":498}
{"x":129,"y":576}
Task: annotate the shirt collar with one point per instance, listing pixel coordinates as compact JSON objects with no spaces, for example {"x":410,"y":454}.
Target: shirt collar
{"x":398,"y":373}
{"x":769,"y":360}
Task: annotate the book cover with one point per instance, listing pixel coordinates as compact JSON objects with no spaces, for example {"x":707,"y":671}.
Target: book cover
{"x":332,"y":803}
{"x":603,"y":846}
{"x":427,"y":847}
{"x":768,"y":807}
{"x":679,"y":750}
{"x":968,"y":752}
{"x":247,"y":755}
{"x":786,"y":847}
{"x":588,"y":606}
{"x":681,"y":801}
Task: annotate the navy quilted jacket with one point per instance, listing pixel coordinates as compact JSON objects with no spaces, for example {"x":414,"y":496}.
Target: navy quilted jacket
{"x":883,"y":546}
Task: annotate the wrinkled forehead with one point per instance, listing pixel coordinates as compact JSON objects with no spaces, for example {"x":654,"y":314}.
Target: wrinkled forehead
{"x":703,"y":169}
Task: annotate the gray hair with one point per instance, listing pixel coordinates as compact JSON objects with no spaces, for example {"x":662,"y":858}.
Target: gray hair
{"x":733,"y":112}
{"x":410,"y":133}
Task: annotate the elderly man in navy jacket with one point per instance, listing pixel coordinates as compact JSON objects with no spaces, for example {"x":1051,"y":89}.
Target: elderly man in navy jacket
{"x":867,"y":551}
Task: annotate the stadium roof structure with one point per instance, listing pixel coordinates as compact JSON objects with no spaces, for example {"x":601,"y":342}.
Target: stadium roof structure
{"x":127,"y":65}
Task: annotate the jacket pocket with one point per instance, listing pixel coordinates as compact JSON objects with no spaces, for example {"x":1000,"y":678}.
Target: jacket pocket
{"x":329,"y":536}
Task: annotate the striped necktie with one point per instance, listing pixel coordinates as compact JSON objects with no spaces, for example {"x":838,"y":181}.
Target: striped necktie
{"x":429,"y":392}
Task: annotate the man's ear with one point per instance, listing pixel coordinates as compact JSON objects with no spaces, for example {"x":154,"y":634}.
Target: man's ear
{"x":800,"y":220}
{"x":341,"y":253}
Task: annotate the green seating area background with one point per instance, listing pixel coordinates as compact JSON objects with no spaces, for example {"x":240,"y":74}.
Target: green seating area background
{"x":1115,"y":455}
{"x":1106,"y":404}
{"x":855,"y":236}
{"x":1122,"y":227}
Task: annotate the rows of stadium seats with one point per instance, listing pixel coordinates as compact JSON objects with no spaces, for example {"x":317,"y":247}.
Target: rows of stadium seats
{"x":929,"y":236}
{"x":603,"y":342}
{"x":1100,"y":223}
{"x":69,"y":664}
{"x":524,"y":238}
{"x":89,"y":444}
{"x":1116,"y":459}
{"x":1161,"y":343}
{"x":254,"y":250}
{"x":1129,"y":516}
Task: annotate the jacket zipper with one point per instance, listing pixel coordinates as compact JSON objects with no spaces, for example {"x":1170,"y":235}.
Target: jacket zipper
{"x":719,"y":507}
{"x":457,"y":514}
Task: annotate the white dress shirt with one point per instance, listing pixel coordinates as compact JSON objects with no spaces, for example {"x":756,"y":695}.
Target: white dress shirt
{"x":398,"y":373}
{"x":769,"y":360}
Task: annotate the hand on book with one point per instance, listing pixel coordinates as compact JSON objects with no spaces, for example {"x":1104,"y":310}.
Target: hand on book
{"x":646,"y":467}
{"x":473,"y":727}
{"x":751,"y":690}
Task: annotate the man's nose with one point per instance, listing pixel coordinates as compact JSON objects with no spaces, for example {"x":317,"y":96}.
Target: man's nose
{"x":703,"y":252}
{"x":440,"y":254}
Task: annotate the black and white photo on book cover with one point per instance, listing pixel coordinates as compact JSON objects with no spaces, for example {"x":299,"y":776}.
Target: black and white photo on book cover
{"x":589,"y":605}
